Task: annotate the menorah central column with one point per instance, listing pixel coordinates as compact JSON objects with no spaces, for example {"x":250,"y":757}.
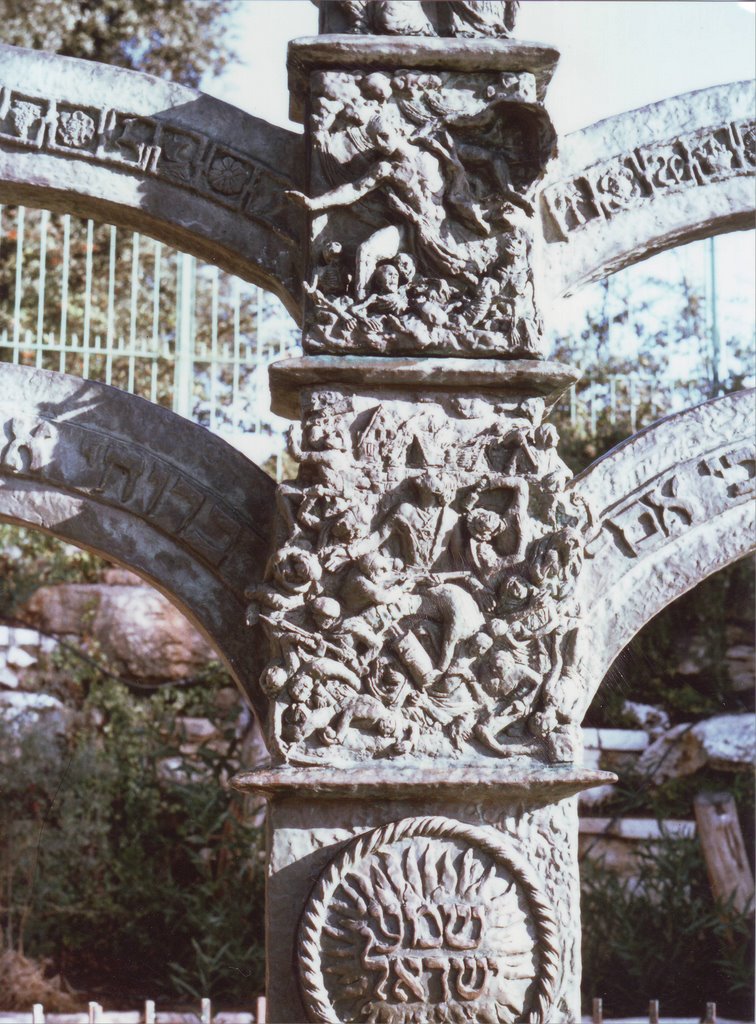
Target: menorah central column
{"x":419,"y":604}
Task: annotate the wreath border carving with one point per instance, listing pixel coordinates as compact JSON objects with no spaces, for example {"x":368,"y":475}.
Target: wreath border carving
{"x":314,"y":995}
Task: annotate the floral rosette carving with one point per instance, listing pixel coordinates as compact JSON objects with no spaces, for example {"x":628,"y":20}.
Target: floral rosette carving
{"x":431,"y":920}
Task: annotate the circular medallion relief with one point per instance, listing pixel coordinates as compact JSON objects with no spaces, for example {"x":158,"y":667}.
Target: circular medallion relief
{"x":427,"y":920}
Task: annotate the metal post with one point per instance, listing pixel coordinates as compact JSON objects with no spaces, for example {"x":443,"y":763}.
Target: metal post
{"x":110,"y":323}
{"x":633,"y":407}
{"x":88,"y":286}
{"x":235,"y":418}
{"x":184,"y":366}
{"x":44,"y":222}
{"x":213,"y":366}
{"x":716,"y":354}
{"x":133,"y":311}
{"x":64,"y":272}
{"x":19,"y":277}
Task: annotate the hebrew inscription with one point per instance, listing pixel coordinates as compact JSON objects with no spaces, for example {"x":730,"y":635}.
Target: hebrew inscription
{"x":666,"y":507}
{"x":428,"y":920}
{"x":622,"y":183}
{"x":420,"y":599}
{"x":423,"y":212}
{"x":131,"y":478}
{"x":149,"y":147}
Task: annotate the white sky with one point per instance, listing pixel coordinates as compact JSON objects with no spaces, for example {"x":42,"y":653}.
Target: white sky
{"x":616,"y":55}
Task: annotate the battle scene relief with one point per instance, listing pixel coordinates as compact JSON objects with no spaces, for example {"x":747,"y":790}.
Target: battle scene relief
{"x":419,"y":602}
{"x":422,"y":204}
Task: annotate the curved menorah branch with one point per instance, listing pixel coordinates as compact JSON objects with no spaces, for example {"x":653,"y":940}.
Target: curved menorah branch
{"x":144,"y":487}
{"x":633,"y":185}
{"x":132,"y":150}
{"x":672,"y":505}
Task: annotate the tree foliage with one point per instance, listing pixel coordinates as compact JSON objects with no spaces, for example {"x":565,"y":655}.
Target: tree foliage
{"x":176,"y":39}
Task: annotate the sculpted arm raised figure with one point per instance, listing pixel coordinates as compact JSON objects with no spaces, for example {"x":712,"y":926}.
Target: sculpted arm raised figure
{"x":347,"y":194}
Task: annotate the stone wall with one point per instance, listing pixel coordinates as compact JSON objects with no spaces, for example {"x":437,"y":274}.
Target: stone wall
{"x":124,"y":625}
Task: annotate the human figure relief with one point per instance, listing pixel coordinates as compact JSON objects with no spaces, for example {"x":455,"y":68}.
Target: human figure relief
{"x":410,"y":172}
{"x":462,"y":18}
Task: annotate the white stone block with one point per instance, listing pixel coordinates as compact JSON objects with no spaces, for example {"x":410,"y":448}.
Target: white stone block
{"x":19,"y":658}
{"x":25,"y":637}
{"x":8,"y":677}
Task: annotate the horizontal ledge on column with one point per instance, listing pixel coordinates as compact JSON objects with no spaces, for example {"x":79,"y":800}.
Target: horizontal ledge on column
{"x":522,"y":378}
{"x":357,"y":52}
{"x":538,"y":783}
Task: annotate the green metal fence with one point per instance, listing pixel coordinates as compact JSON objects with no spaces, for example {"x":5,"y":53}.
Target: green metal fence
{"x":112,"y":305}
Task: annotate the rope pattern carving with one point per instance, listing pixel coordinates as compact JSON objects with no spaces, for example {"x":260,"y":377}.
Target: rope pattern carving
{"x":315,"y":996}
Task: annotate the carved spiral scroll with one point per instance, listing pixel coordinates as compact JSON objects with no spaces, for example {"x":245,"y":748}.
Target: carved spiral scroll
{"x":356,"y":874}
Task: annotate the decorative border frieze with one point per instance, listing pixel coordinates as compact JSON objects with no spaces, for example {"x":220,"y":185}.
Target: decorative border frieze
{"x":627,"y":180}
{"x":150,"y":147}
{"x":677,"y":500}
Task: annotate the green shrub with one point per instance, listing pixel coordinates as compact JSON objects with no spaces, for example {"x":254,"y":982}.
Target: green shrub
{"x":137,"y":881}
{"x":30,"y":559}
{"x":661,"y":936}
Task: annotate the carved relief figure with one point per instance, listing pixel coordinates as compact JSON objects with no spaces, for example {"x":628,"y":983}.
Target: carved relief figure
{"x":464,"y":18}
{"x":421,"y":599}
{"x":423,"y":212}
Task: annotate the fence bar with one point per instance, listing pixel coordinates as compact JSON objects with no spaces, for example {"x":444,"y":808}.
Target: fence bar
{"x":710,"y":1017}
{"x":19,"y":286}
{"x":259,"y":355}
{"x":157,"y":252}
{"x":598,"y":1012}
{"x":110,"y":325}
{"x":206,"y":1013}
{"x":88,"y":284}
{"x":213,"y":369}
{"x":38,"y":1014}
{"x":184,"y":367}
{"x":149,"y":1011}
{"x":261,"y":1014}
{"x":65,"y":269}
{"x":633,"y":406}
{"x":236,"y":351}
{"x":44,"y":223}
{"x":653,"y":1011}
{"x":133,"y":310}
